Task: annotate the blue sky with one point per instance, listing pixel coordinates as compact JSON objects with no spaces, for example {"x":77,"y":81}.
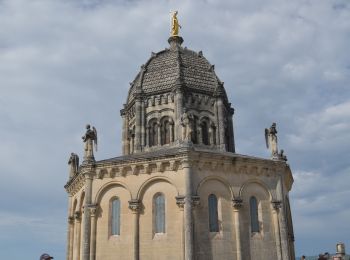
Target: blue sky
{"x":65,"y":63}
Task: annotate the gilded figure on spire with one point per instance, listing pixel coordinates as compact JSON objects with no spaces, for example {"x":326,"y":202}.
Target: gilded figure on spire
{"x":175,"y":25}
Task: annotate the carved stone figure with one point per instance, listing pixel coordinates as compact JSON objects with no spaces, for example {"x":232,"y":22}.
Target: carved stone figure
{"x":74,"y":164}
{"x":187,"y":126}
{"x":90,"y":139}
{"x":175,"y":25}
{"x":271,"y":140}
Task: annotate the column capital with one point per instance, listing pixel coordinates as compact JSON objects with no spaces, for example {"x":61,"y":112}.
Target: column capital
{"x":276,"y":204}
{"x":237,"y":203}
{"x":71,"y":220}
{"x":134,"y":205}
{"x":195,"y":201}
{"x":93,"y":208}
{"x":180,"y":201}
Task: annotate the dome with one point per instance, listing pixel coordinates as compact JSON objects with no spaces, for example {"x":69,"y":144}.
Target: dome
{"x":177,"y":99}
{"x":166,"y":69}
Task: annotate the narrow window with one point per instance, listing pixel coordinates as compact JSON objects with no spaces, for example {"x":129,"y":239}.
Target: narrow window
{"x":159,"y":213}
{"x":166,"y":132}
{"x":115,"y":217}
{"x":254,"y":219}
{"x":213,"y":213}
{"x":205,"y":134}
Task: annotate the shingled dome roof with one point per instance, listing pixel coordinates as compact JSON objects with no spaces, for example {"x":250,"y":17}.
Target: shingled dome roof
{"x":176,"y":66}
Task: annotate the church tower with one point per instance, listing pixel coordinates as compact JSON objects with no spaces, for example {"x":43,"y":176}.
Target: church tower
{"x":179,"y":191}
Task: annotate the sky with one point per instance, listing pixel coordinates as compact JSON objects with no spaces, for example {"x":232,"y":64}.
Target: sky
{"x":66,"y":63}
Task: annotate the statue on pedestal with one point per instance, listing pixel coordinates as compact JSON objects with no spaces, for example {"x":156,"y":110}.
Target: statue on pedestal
{"x":74,"y":164}
{"x":90,"y":139}
{"x":271,"y":140}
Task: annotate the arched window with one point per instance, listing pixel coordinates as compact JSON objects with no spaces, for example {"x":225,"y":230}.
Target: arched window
{"x":159,"y":213}
{"x":205,"y":133}
{"x":213,"y":213}
{"x":254,"y":218}
{"x":166,"y":132}
{"x":153,"y":134}
{"x":115,"y":216}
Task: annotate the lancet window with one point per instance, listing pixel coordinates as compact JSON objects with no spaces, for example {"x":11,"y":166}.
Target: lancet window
{"x":213,"y":213}
{"x":254,"y":217}
{"x":159,"y":213}
{"x":115,"y":216}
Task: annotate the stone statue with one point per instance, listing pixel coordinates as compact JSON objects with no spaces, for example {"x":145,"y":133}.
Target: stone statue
{"x":175,"y":25}
{"x":90,"y":139}
{"x":187,"y":129}
{"x":271,"y":140}
{"x":74,"y":164}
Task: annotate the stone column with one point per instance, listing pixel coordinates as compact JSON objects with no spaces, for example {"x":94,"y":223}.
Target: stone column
{"x":148,"y":129}
{"x":77,"y":223}
{"x":137,"y":144}
{"x":159,"y":134}
{"x":275,"y":212}
{"x":87,"y":220}
{"x":171,"y":131}
{"x":237,"y":205}
{"x":178,"y":114}
{"x":93,"y":214}
{"x":186,"y":167}
{"x":180,"y":202}
{"x":143,"y":125}
{"x":134,"y":205}
{"x":221,"y":123}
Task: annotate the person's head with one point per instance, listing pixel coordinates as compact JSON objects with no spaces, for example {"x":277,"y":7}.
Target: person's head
{"x":303,"y":257}
{"x":45,"y":257}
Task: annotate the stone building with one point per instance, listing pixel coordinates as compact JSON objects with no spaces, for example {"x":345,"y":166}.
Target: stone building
{"x":179,"y":191}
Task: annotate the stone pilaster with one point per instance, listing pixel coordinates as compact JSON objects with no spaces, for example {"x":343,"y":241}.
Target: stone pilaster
{"x":188,"y":220}
{"x":70,"y":236}
{"x":221,"y":123}
{"x":276,"y":205}
{"x":134,"y":206}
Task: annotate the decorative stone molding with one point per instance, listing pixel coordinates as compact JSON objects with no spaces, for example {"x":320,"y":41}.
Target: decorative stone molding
{"x":180,"y":201}
{"x":134,"y":205}
{"x":237,"y":203}
{"x":77,"y":215}
{"x":276,"y":204}
{"x":195,"y":201}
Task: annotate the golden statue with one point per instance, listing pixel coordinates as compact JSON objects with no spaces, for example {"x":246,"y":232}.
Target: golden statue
{"x":175,"y":25}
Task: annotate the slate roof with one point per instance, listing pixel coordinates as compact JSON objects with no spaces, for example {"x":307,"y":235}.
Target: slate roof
{"x":165,"y":69}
